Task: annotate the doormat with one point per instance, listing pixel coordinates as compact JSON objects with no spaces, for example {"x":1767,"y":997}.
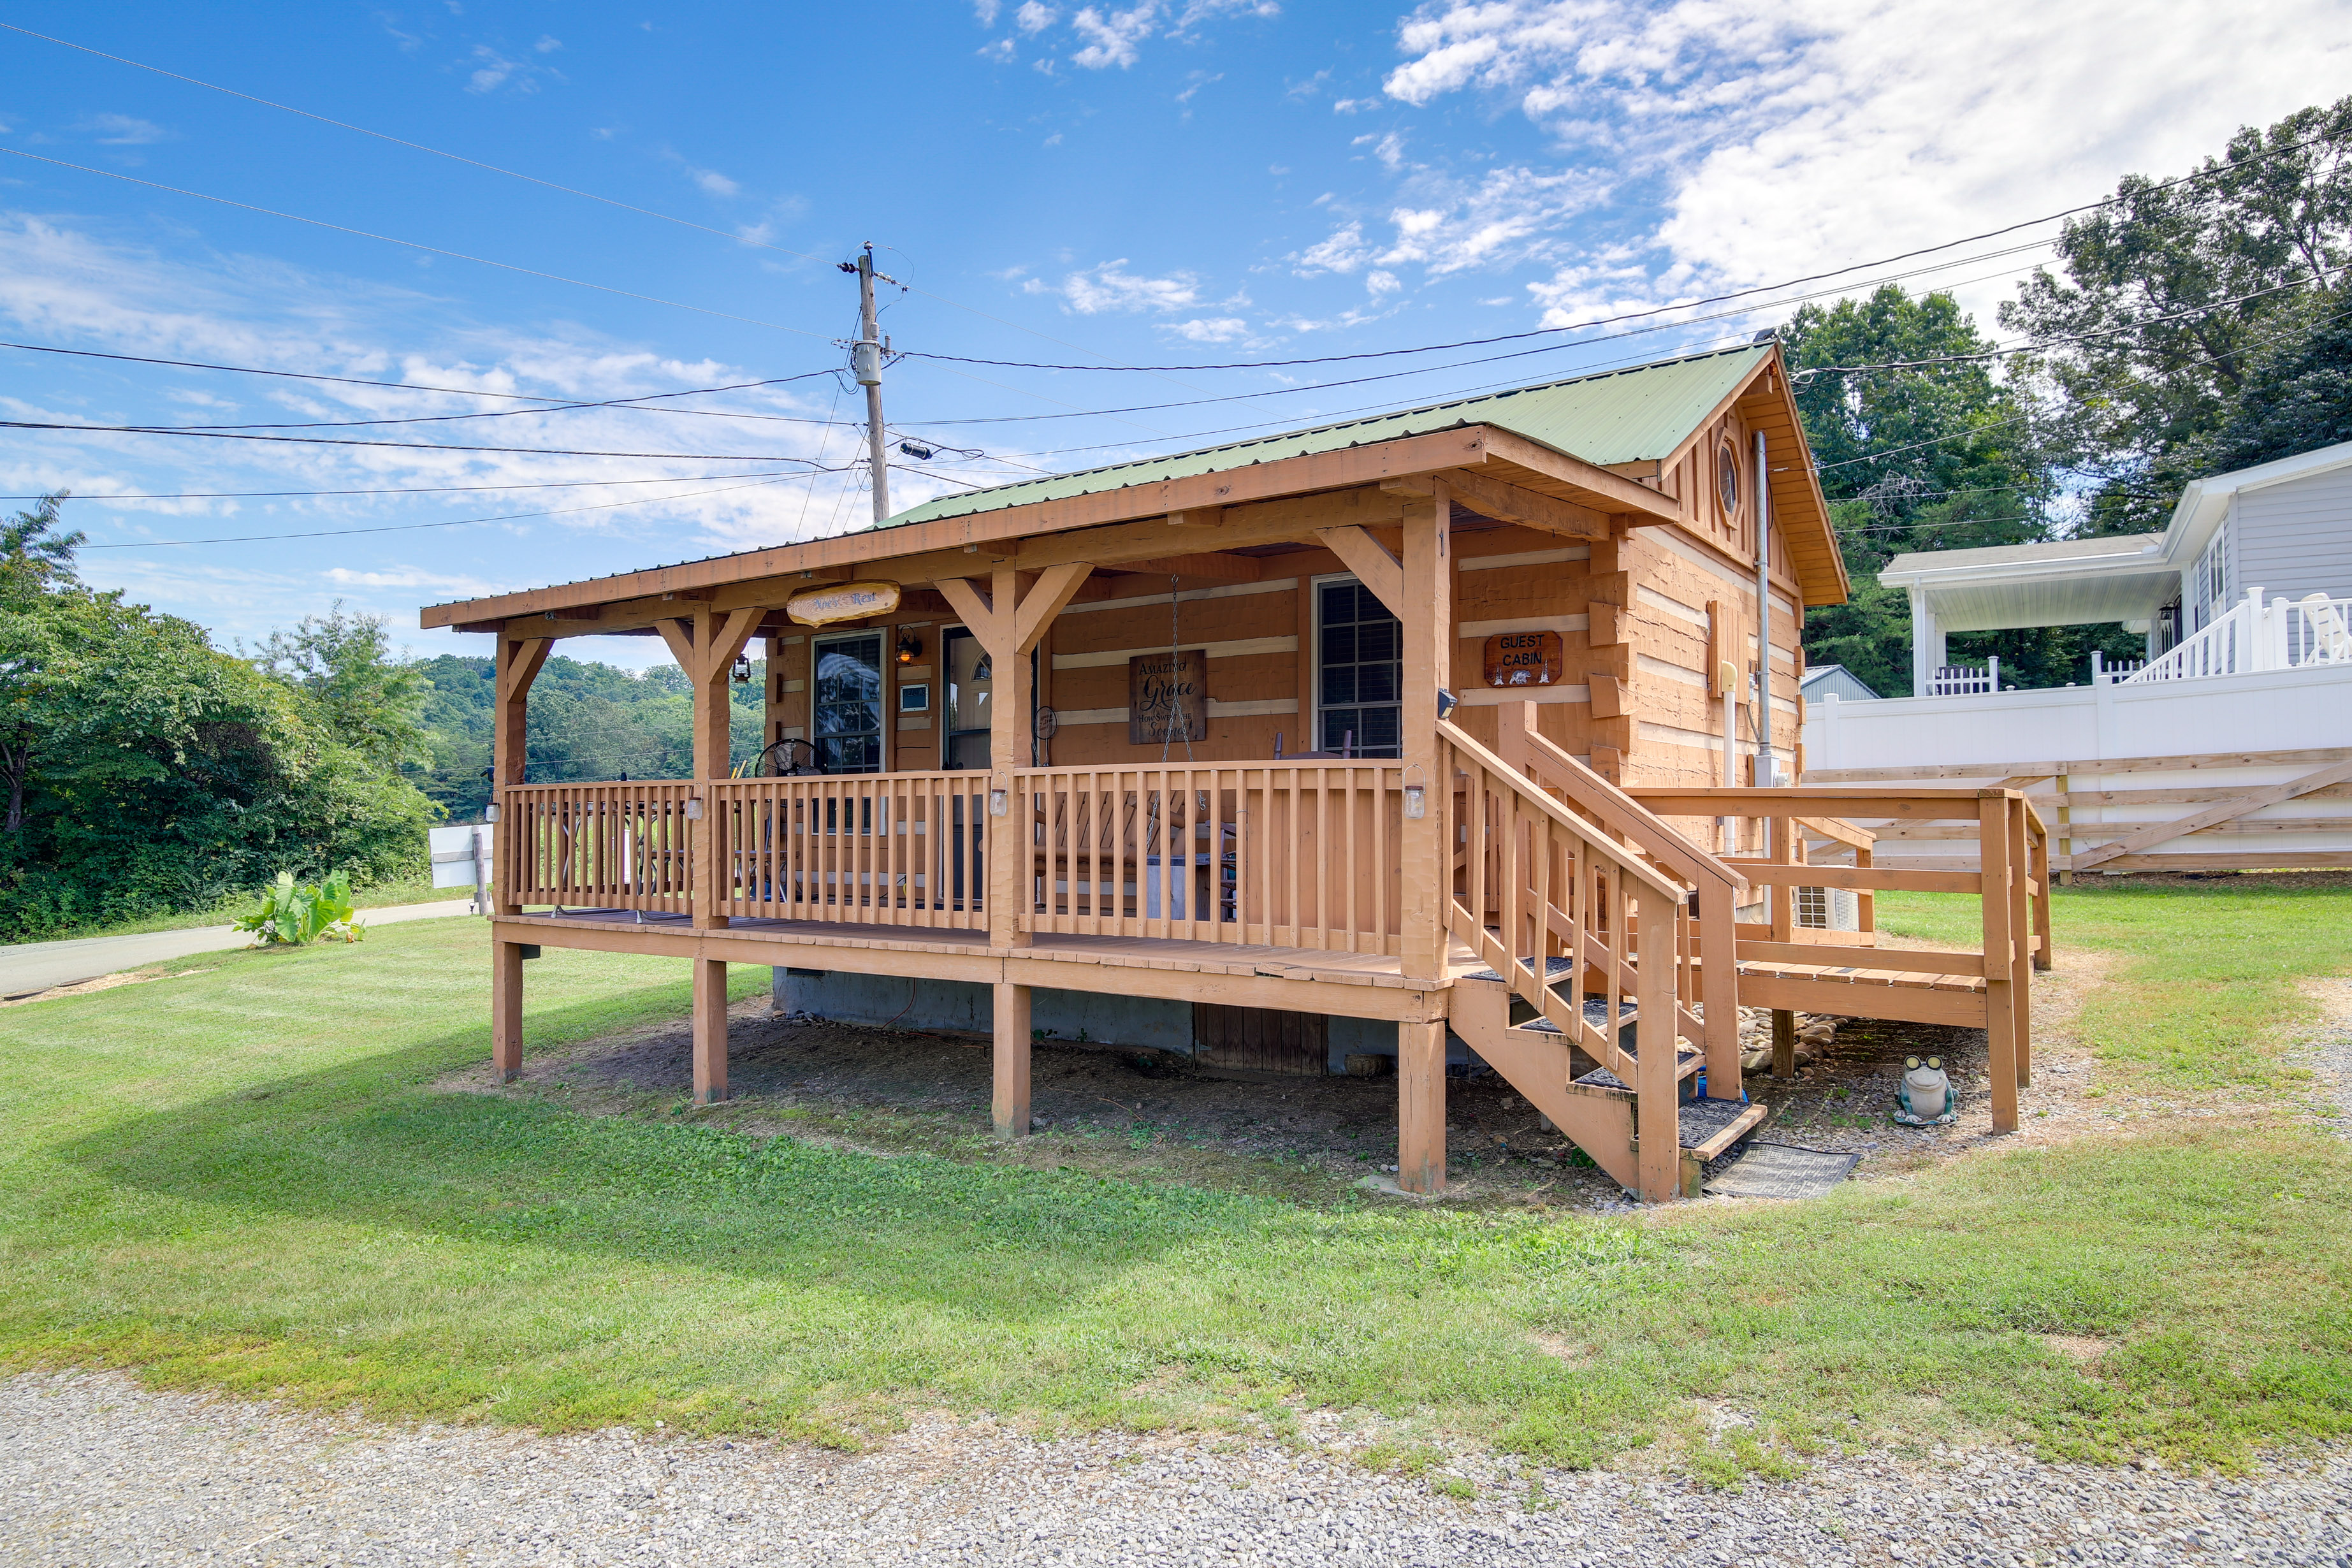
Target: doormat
{"x":1782,"y":1171}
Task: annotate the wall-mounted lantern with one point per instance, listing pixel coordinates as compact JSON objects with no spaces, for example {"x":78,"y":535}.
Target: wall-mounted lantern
{"x":743,"y":671}
{"x":910,"y":648}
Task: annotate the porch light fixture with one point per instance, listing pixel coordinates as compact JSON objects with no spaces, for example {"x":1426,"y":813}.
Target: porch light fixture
{"x":743,"y":671}
{"x":694,"y":808}
{"x":490,"y":812}
{"x":1416,"y":795}
{"x":1446,"y":703}
{"x":998,"y":802}
{"x":910,"y":648}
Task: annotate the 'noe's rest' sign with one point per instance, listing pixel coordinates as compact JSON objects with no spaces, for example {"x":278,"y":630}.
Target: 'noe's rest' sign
{"x":1167,"y":698}
{"x":1523,"y":659}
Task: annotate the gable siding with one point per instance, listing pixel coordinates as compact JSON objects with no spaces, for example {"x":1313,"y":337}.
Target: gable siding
{"x":2295,"y":538}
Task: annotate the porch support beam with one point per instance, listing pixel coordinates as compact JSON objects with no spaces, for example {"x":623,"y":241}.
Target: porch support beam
{"x":1369,"y":560}
{"x":1425,"y":606}
{"x":1421,"y":1107}
{"x":1507,"y":502}
{"x":709,"y":1031}
{"x":1010,"y":1109}
{"x":506,"y":1009}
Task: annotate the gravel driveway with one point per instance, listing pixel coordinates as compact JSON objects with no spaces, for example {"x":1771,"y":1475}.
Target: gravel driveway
{"x":93,"y":1469}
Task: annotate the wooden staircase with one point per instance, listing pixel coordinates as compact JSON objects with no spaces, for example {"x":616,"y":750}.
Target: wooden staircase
{"x":1591,"y":1104}
{"x":1592,"y":917}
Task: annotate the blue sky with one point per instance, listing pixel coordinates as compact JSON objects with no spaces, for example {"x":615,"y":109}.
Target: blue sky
{"x":1174,"y":183}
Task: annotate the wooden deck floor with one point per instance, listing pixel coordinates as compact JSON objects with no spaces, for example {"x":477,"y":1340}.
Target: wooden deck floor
{"x":1297,"y":979}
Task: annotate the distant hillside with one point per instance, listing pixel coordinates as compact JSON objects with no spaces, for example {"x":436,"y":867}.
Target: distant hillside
{"x":587,"y":721}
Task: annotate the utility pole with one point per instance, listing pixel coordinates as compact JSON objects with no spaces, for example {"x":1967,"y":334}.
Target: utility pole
{"x":865,"y":364}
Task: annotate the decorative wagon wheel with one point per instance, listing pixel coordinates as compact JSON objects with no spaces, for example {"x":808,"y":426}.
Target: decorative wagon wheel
{"x":786,"y":759}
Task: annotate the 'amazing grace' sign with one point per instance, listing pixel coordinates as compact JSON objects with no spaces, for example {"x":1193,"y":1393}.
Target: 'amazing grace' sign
{"x":1167,"y":698}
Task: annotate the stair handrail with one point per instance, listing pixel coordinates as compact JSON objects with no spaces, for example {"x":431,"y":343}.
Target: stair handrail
{"x":1621,"y":812}
{"x":1645,"y":919}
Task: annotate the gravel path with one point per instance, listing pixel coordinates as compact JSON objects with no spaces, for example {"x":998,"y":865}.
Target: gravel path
{"x":2330,"y":1052}
{"x":93,"y":1469}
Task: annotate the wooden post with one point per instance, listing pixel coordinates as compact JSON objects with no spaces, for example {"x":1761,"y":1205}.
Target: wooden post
{"x":1658,"y":1110}
{"x":2066,"y":822}
{"x":709,"y":1031}
{"x":2038,"y":869}
{"x":506,"y":1009}
{"x":1011,"y":698}
{"x":2020,"y":939}
{"x":1719,"y":981}
{"x":1425,"y":858}
{"x":1784,"y":1044}
{"x":2001,"y":1022}
{"x":1011,"y":1039}
{"x":705,"y":645}
{"x":518,"y":662}
{"x":1421,"y":1107}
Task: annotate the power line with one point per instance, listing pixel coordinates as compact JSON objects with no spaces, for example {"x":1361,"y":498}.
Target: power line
{"x":415,"y":527}
{"x":393,"y":385}
{"x":412,"y":491}
{"x":412,"y":245}
{"x":405,"y":445}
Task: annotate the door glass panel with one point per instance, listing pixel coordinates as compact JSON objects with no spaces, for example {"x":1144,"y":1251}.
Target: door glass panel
{"x":969,"y":681}
{"x":849,"y":704}
{"x":1359,"y":671}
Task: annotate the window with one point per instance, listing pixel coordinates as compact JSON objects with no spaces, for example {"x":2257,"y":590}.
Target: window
{"x":1359,"y":670}
{"x":849,"y":703}
{"x":1726,"y":480}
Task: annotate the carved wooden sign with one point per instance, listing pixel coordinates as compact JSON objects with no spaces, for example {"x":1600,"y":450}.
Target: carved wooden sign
{"x":842,"y":602}
{"x":1523,"y":659}
{"x":1167,"y":698}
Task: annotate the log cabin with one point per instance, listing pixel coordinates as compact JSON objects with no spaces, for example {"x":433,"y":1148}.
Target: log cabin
{"x":1456,"y":730}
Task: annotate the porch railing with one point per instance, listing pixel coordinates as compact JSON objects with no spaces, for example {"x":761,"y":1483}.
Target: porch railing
{"x":2251,"y":635}
{"x":603,"y":845}
{"x":1280,"y":854}
{"x":902,"y":849}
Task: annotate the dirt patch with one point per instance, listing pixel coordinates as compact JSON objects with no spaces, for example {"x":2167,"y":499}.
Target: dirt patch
{"x":2329,"y":1053}
{"x":1150,"y":1115}
{"x":103,"y":983}
{"x":1140,"y":1114}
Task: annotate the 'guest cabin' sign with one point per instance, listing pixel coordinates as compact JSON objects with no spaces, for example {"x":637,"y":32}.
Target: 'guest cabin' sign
{"x":1523,"y":659}
{"x":1167,"y":698}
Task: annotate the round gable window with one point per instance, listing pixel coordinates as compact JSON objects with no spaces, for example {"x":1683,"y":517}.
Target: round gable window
{"x":1726,"y":480}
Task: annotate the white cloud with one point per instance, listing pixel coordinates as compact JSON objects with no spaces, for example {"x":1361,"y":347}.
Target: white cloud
{"x":1112,"y":38}
{"x":548,"y":43}
{"x":1209,"y":330}
{"x":1382,"y":282}
{"x":714,"y":183}
{"x":1344,"y":251}
{"x":1000,"y":51}
{"x":985,"y":12}
{"x":1775,"y":139}
{"x":122,"y":131}
{"x":1109,"y":288}
{"x":440,"y":583}
{"x":1199,"y":80}
{"x":1034,"y":19}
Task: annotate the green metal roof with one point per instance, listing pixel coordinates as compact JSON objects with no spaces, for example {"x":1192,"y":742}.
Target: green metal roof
{"x":1633,"y":416}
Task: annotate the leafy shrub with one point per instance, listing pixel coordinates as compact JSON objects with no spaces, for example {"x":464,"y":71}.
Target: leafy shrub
{"x":294,"y":913}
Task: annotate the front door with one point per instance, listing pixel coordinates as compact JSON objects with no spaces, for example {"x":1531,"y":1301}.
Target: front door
{"x":849,"y":703}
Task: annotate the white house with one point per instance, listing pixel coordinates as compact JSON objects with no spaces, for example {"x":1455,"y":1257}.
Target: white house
{"x":2283,"y":529}
{"x":2230,"y":746}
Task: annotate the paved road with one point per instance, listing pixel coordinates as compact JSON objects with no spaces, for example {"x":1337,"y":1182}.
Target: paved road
{"x":38,"y":965}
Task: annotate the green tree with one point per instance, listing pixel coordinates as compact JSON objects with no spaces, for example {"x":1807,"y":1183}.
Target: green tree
{"x":2167,"y":304}
{"x":343,"y":668}
{"x":1934,"y":453}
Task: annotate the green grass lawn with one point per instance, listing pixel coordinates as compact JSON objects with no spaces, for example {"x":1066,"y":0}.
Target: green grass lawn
{"x":416,"y":890}
{"x":245,"y":1178}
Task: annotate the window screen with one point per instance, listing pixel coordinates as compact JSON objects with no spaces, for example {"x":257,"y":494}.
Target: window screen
{"x":849,"y":704}
{"x":1360,"y":671}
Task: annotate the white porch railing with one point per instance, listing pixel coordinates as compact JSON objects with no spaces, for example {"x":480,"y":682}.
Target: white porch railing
{"x":2252,"y":636}
{"x":1964,"y":679}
